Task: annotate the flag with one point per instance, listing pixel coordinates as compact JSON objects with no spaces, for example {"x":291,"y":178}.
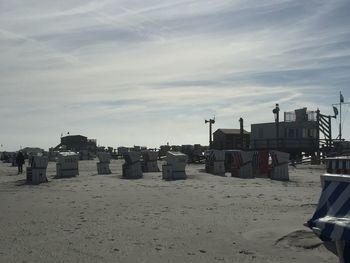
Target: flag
{"x":341,"y":98}
{"x":335,"y":111}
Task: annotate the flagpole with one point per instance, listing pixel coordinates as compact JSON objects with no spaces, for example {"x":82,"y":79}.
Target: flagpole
{"x":340,"y":101}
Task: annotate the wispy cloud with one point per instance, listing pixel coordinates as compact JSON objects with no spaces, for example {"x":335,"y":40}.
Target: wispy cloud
{"x":149,"y":72}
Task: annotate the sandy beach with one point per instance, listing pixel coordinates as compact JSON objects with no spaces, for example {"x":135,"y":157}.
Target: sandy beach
{"x":206,"y":218}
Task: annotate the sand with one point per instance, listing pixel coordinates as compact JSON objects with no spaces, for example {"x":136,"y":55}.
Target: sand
{"x":206,"y":218}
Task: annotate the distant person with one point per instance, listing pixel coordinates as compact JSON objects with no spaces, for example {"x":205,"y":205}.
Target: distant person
{"x":20,"y":161}
{"x":13,"y":160}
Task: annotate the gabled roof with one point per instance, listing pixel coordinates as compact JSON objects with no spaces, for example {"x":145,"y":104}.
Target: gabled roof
{"x":232,"y":131}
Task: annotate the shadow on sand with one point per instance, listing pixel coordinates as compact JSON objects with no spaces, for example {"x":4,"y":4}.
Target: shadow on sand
{"x":63,"y":177}
{"x":24,"y":182}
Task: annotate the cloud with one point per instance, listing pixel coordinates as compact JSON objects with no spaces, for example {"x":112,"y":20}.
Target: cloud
{"x":148,"y":72}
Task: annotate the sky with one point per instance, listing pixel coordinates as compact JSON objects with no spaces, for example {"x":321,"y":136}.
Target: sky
{"x":149,"y":72}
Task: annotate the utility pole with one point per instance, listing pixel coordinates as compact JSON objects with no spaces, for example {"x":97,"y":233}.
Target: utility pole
{"x":241,"y":132}
{"x":276,"y":112}
{"x":341,"y":100}
{"x":211,"y":122}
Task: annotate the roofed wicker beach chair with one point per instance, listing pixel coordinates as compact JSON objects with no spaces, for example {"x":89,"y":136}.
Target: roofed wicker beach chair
{"x":279,"y":166}
{"x":174,"y":169}
{"x":331,"y":220}
{"x":132,"y":166}
{"x":215,"y":162}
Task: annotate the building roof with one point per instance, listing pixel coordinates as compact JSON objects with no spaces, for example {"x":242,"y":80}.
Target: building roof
{"x":232,"y":131}
{"x":73,"y":135}
{"x":32,"y":149}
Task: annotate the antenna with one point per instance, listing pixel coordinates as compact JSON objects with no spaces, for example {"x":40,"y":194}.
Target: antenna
{"x":211,"y":122}
{"x":276,"y":113}
{"x":241,"y":132}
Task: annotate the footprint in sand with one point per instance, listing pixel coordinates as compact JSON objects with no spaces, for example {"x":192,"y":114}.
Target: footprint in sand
{"x":158,"y":247}
{"x":299,"y":238}
{"x":246,"y":252}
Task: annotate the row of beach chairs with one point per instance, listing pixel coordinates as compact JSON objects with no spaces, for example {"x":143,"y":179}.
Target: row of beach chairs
{"x":248,"y":164}
{"x":239,"y":163}
{"x":134,"y":167}
{"x":174,"y":168}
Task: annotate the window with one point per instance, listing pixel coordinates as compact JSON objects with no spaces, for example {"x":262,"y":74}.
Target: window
{"x":304,"y":133}
{"x":291,"y":133}
{"x":312,"y":133}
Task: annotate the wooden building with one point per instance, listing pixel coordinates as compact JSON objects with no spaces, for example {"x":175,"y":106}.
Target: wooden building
{"x":296,"y":134}
{"x":229,"y":139}
{"x":77,"y":143}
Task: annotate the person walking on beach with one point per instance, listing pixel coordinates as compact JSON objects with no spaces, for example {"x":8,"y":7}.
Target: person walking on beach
{"x":20,"y":162}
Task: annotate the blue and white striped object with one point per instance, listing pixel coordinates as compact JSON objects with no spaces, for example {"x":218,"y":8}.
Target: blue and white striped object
{"x":331,"y":220}
{"x":338,"y":165}
{"x":332,"y":216}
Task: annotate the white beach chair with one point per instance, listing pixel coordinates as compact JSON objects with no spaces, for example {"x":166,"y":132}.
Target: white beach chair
{"x":174,"y":169}
{"x":215,"y":162}
{"x":149,"y":161}
{"x":338,"y":165}
{"x":279,"y":166}
{"x":241,"y":164}
{"x":132,"y":166}
{"x":36,"y":173}
{"x":103,"y":164}
{"x":67,"y":164}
